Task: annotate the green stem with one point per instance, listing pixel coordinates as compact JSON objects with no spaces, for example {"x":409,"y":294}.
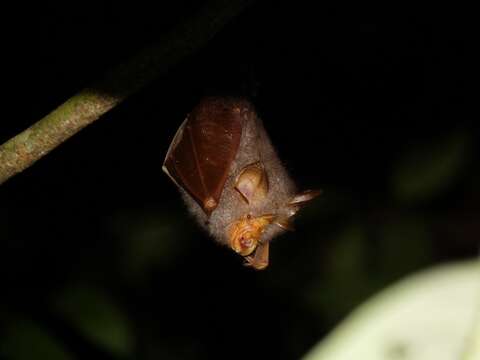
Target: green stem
{"x":88,"y":105}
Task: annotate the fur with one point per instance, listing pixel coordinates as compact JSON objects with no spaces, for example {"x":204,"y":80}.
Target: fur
{"x":255,"y":146}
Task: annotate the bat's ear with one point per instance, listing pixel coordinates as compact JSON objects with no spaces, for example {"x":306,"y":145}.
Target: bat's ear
{"x":284,"y":222}
{"x":298,"y":201}
{"x":301,"y":199}
{"x":252,"y":183}
{"x":293,"y":206}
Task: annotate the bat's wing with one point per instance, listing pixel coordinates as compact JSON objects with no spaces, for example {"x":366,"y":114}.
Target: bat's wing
{"x":202,"y":151}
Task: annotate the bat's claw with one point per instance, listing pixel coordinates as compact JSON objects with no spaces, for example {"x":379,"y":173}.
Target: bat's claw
{"x":248,"y":261}
{"x":251,"y":261}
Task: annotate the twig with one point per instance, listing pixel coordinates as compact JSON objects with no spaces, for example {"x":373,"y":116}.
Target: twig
{"x":88,"y":105}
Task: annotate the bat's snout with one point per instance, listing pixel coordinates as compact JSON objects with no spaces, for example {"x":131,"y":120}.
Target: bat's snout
{"x":244,"y":234}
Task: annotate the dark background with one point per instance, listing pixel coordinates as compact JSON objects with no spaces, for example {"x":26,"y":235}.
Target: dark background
{"x":98,"y":255}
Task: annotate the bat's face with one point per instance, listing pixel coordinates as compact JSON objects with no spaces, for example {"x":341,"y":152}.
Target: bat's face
{"x":252,"y":186}
{"x":245,"y":234}
{"x":222,"y":160}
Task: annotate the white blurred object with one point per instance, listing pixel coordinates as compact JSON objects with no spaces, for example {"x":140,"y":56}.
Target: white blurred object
{"x":433,"y":315}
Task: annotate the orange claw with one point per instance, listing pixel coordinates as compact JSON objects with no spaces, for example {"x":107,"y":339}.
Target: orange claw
{"x":260,"y":260}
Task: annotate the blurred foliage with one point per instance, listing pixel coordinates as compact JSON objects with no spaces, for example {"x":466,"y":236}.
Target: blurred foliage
{"x":361,"y":259}
{"x":23,"y":339}
{"x":428,"y":316}
{"x":147,"y":240}
{"x":97,"y":317}
{"x":472,"y":349}
{"x":404,"y":244}
{"x":95,"y":237}
{"x":425,"y":170}
{"x":345,"y":280}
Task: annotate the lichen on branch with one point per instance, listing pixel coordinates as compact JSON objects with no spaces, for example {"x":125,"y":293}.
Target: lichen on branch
{"x":88,"y":105}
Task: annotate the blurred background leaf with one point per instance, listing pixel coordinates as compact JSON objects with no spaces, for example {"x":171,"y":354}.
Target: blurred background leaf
{"x":403,"y":244}
{"x":426,"y":169}
{"x":94,"y":313}
{"x":23,"y":339}
{"x":428,"y":316}
{"x":472,"y":350}
{"x":347,"y":94}
{"x":148,"y":240}
{"x":345,"y":280}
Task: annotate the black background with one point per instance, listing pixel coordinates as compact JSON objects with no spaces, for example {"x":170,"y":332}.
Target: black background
{"x":345,"y":90}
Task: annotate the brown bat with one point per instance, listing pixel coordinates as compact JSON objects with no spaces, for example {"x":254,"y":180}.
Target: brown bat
{"x":231,"y":178}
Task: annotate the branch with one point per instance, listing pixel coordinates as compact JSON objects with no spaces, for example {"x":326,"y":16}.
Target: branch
{"x":88,"y":105}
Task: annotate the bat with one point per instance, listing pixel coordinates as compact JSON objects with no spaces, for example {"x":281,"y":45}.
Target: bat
{"x":231,"y":178}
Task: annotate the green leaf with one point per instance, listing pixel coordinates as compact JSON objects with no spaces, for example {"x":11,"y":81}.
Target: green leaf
{"x":148,"y":241}
{"x":92,"y":312}
{"x":423,"y":172}
{"x":23,"y":339}
{"x":428,"y":316}
{"x":405,"y":245}
{"x":472,"y":351}
{"x":346,"y":275}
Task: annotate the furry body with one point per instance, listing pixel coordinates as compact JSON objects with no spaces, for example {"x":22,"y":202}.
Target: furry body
{"x":231,"y":178}
{"x":255,"y":146}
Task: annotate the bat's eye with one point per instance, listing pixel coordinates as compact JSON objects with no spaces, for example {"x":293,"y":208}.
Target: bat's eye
{"x":247,"y":244}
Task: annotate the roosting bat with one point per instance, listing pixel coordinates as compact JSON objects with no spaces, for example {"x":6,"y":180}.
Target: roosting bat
{"x":231,"y":179}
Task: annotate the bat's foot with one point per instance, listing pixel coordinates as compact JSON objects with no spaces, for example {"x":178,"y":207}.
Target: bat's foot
{"x":250,"y":262}
{"x":259,"y":260}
